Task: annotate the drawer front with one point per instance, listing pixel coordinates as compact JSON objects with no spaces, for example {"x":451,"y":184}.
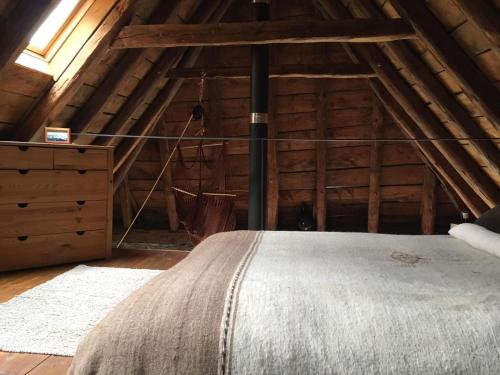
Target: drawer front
{"x":35,"y":219}
{"x":80,"y":158}
{"x":26,"y":157}
{"x":37,"y":251}
{"x":52,"y":186}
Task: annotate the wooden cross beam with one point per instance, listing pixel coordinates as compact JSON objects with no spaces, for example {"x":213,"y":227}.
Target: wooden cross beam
{"x":263,"y":32}
{"x":334,"y":71}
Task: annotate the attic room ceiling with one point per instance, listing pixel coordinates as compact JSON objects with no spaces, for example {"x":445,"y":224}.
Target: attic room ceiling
{"x":441,"y":83}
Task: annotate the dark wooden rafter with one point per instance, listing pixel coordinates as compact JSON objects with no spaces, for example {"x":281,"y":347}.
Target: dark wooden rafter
{"x":215,"y":129}
{"x":432,"y":33}
{"x":436,"y":91}
{"x":164,"y":12}
{"x":336,"y":71}
{"x":62,"y":91}
{"x":409,"y":127}
{"x":432,"y":154}
{"x":129,"y":150}
{"x":485,"y":16}
{"x":272,"y":163}
{"x":124,"y":196}
{"x":20,"y":20}
{"x":321,"y":133}
{"x":422,"y":115}
{"x":273,"y":180}
{"x":167,"y":179}
{"x":262,"y":32}
{"x":375,"y":168}
{"x":428,"y":202}
{"x":150,"y":82}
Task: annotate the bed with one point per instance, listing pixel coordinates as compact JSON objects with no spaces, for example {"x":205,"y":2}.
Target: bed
{"x":308,"y":303}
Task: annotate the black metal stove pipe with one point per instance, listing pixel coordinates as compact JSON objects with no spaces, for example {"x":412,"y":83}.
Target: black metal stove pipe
{"x":257,"y":191}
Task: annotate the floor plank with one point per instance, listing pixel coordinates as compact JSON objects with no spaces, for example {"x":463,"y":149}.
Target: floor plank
{"x":54,"y":365}
{"x":19,"y":363}
{"x":15,"y":283}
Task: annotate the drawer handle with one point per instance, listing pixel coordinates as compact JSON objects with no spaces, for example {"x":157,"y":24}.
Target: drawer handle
{"x":80,"y":203}
{"x":80,"y":232}
{"x":23,"y":171}
{"x":82,"y":150}
{"x":82,"y":171}
{"x":23,"y":148}
{"x":22,"y":238}
{"x":22,"y":205}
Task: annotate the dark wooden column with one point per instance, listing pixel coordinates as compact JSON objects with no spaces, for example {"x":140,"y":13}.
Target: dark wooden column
{"x":428,"y":203}
{"x":258,"y":126}
{"x":375,"y":169}
{"x":321,"y":130}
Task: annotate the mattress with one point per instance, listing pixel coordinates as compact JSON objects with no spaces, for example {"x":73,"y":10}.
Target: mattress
{"x":308,"y":303}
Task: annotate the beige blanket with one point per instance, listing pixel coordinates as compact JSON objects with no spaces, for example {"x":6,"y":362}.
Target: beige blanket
{"x":308,"y":303}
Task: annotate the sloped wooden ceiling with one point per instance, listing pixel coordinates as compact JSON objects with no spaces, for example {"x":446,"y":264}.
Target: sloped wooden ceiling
{"x":419,"y":94}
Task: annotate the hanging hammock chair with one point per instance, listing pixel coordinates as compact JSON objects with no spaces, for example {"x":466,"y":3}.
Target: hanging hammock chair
{"x":204,"y":213}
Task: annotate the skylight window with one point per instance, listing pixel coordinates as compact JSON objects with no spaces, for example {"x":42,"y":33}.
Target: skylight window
{"x":54,"y":23}
{"x":53,"y":32}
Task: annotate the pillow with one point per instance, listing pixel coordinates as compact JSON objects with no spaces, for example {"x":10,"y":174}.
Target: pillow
{"x":490,"y":219}
{"x":478,"y":237}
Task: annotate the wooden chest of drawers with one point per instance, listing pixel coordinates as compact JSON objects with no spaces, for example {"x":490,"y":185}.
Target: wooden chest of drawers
{"x":55,"y":204}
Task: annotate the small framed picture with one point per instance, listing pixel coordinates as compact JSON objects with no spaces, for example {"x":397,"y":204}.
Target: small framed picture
{"x":57,"y":135}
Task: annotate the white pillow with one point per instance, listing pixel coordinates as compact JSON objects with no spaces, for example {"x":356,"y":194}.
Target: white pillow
{"x":478,"y":237}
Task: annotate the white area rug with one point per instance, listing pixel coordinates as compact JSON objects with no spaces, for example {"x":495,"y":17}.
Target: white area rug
{"x":52,"y":317}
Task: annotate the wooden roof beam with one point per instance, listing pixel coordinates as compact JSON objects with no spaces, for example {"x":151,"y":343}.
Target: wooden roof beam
{"x":164,"y":12}
{"x":485,"y":16}
{"x":436,"y":91}
{"x":62,"y":91}
{"x":262,"y":32}
{"x":20,"y":20}
{"x":432,"y":33}
{"x":334,"y":71}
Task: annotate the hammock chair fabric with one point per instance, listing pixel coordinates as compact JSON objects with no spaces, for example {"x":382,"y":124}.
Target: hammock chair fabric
{"x":204,"y":214}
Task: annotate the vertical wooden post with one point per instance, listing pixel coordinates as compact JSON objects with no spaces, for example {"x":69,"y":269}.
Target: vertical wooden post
{"x":321,"y":157}
{"x":125,"y":198}
{"x":428,"y":203}
{"x":375,"y":167}
{"x":215,"y":128}
{"x":167,"y":180}
{"x":272,"y":164}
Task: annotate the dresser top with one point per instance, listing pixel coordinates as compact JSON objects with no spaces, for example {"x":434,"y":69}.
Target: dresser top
{"x":54,"y":145}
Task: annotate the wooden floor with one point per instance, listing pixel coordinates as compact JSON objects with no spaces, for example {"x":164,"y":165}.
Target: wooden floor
{"x":15,"y":283}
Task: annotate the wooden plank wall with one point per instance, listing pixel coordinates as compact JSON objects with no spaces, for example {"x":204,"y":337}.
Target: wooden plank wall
{"x":349,"y":107}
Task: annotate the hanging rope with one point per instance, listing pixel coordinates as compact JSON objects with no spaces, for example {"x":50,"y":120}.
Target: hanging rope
{"x":156,"y":183}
